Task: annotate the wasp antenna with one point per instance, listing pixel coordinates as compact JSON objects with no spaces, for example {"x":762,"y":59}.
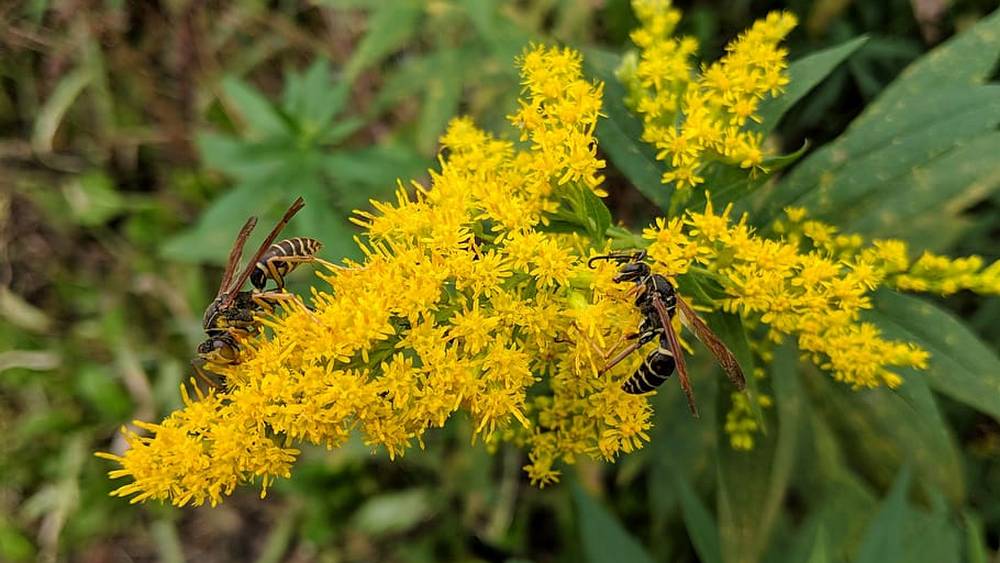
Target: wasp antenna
{"x":590,"y":263}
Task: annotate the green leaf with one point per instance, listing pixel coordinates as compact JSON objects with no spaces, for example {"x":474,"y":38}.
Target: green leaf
{"x":698,"y":520}
{"x":51,"y":114}
{"x":394,"y":512}
{"x":962,"y":366}
{"x":390,"y":27}
{"x":935,"y":107}
{"x":752,"y":484}
{"x":884,"y":539}
{"x":257,"y":111}
{"x":359,"y":175}
{"x":96,"y":386}
{"x":335,"y":232}
{"x":312,"y":98}
{"x":968,"y":58}
{"x":604,"y":538}
{"x":443,"y":92}
{"x":211,"y":238}
{"x":580,"y":207}
{"x":883,"y":429}
{"x":855,"y":173}
{"x":976,"y":548}
{"x":804,"y":75}
{"x":245,"y":160}
{"x":729,"y":328}
{"x":819,"y":553}
{"x":946,"y":184}
{"x":92,"y":198}
{"x":620,"y":133}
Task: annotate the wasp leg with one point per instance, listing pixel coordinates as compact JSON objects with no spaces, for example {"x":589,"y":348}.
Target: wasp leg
{"x":278,"y":277}
{"x":213,"y":380}
{"x":268,"y":299}
{"x":639,"y":338}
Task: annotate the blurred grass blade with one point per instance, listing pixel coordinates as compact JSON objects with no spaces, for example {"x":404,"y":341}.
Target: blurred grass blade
{"x":52,"y":112}
{"x":700,"y":523}
{"x":18,"y":312}
{"x":804,"y":75}
{"x":752,"y":484}
{"x":883,"y":540}
{"x":820,"y":553}
{"x":390,"y":26}
{"x":393,"y":512}
{"x":962,"y":366}
{"x":620,"y":132}
{"x":604,"y":538}
{"x":441,"y":98}
{"x":257,"y":111}
{"x":976,"y":548}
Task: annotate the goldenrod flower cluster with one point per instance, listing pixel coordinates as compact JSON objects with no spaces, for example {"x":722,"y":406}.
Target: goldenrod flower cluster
{"x":467,"y":305}
{"x":814,"y":284}
{"x":695,"y":118}
{"x":462,"y":305}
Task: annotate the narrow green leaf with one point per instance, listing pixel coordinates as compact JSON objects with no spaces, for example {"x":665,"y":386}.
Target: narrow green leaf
{"x":390,"y":26}
{"x":962,"y":366}
{"x":257,"y":111}
{"x":595,"y":214}
{"x":212,"y":236}
{"x":729,"y":328}
{"x":442,"y":96}
{"x":883,"y":429}
{"x":936,"y":106}
{"x":804,"y":75}
{"x":335,"y":232}
{"x":93,"y":198}
{"x":51,"y":114}
{"x":966,"y":59}
{"x":312,"y":98}
{"x":884,"y":539}
{"x":947,"y":184}
{"x":604,"y":538}
{"x":244,"y":160}
{"x":620,"y":133}
{"x":976,"y":549}
{"x":819,"y":552}
{"x":698,"y":520}
{"x":393,"y":512}
{"x":359,"y":175}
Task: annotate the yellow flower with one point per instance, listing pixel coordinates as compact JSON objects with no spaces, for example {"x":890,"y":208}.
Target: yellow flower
{"x":695,"y":118}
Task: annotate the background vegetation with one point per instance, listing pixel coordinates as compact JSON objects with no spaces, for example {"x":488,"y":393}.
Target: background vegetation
{"x":135,"y":138}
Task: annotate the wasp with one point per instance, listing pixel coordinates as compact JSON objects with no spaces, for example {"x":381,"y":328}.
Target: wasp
{"x":658,"y":302}
{"x":231,"y":315}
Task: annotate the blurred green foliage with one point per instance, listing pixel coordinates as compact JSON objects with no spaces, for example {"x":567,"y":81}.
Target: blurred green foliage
{"x":135,"y":138}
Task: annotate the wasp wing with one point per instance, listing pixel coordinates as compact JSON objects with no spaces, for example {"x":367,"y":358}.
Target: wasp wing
{"x":722,"y":354}
{"x":245,"y":274}
{"x":677,"y":351}
{"x":235,"y":255}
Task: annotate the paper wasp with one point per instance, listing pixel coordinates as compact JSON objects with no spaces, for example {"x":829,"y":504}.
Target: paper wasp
{"x":230,"y":316}
{"x":658,"y":301}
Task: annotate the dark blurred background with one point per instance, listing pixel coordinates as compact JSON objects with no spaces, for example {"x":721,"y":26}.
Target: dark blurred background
{"x":135,"y":138}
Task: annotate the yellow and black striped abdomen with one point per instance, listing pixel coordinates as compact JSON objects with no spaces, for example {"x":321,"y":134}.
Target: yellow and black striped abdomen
{"x":281,"y":258}
{"x":656,"y":368}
